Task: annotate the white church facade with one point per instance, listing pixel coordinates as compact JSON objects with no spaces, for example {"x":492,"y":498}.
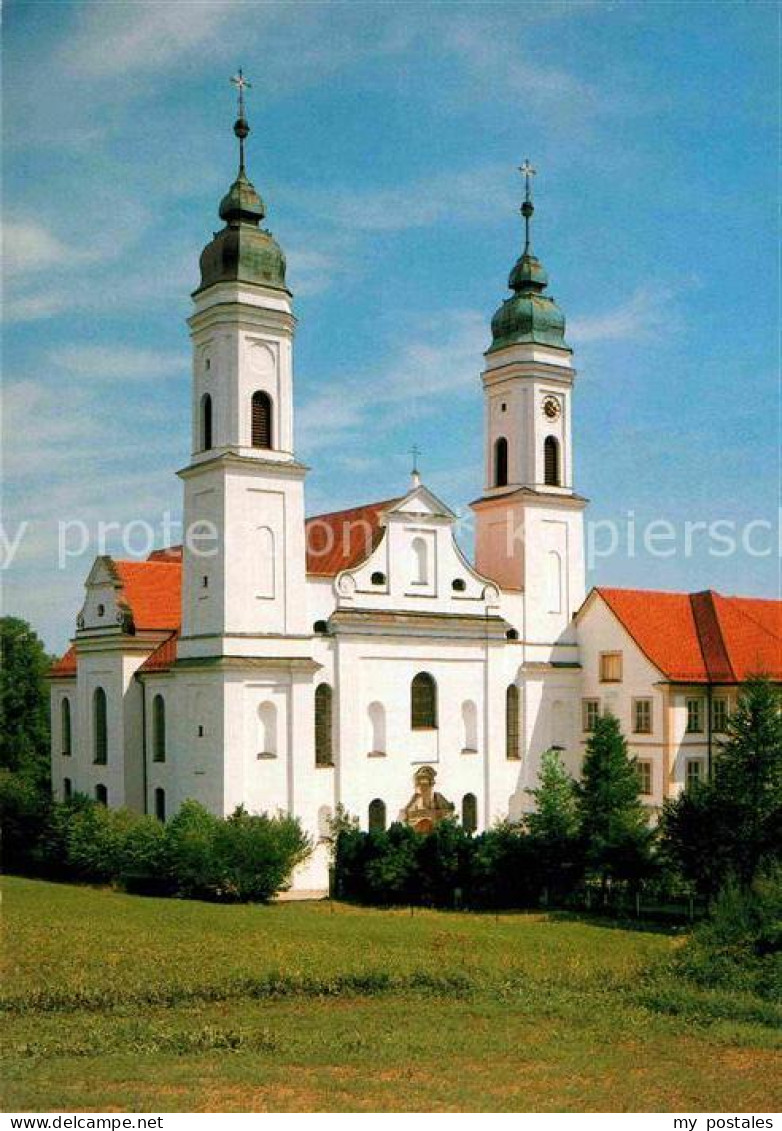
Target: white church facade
{"x":357,"y":659}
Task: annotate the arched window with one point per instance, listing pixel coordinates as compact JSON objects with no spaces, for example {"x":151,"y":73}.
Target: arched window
{"x":267,"y":717}
{"x":65,"y":727}
{"x":160,"y":804}
{"x":501,"y":462}
{"x":158,"y":729}
{"x":377,"y":816}
{"x":101,"y":795}
{"x":67,"y":789}
{"x":324,"y":753}
{"x":100,"y":738}
{"x":261,"y":420}
{"x":423,"y":702}
{"x":551,"y":472}
{"x":470,"y":725}
{"x":512,"y":722}
{"x":206,"y":422}
{"x":377,"y":728}
{"x":469,"y":812}
{"x":420,"y":552}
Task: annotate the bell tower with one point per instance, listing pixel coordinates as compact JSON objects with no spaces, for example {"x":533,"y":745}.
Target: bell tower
{"x":244,"y":553}
{"x":529,"y":523}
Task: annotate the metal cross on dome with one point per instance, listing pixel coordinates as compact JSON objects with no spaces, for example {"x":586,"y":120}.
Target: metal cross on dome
{"x":241,"y":84}
{"x":527,"y":170}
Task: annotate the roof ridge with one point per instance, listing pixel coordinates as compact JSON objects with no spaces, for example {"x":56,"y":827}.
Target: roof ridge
{"x":748,"y":616}
{"x":357,"y":507}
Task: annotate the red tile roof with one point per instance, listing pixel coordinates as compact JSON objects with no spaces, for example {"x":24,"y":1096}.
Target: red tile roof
{"x":152,"y":590}
{"x":163,"y":657}
{"x":65,"y":666}
{"x":167,"y":554}
{"x":702,"y":637}
{"x":343,"y":539}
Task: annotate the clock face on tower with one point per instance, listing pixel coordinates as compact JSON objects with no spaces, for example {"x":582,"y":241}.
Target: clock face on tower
{"x":551,"y":408}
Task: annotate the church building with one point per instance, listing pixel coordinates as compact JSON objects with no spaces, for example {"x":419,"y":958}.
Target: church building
{"x":357,"y":659}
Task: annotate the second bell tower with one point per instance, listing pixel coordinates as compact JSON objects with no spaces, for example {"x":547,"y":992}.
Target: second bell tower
{"x":244,"y":553}
{"x":529,"y":523}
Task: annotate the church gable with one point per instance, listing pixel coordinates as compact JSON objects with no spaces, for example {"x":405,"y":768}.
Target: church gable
{"x":416,"y":565}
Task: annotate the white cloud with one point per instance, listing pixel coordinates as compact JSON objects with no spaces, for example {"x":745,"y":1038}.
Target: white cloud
{"x":115,"y":39}
{"x":644,"y":315}
{"x":469,"y":194}
{"x":29,"y":246}
{"x":444,"y":359}
{"x":114,"y":362}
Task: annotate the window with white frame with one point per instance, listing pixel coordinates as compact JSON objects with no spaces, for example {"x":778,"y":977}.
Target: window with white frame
{"x":719,"y":714}
{"x":642,"y":716}
{"x":695,"y":716}
{"x":693,"y":772}
{"x":644,"y":769}
{"x":590,"y":713}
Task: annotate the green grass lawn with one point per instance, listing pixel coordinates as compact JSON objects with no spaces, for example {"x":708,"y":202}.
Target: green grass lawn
{"x":115,"y":1002}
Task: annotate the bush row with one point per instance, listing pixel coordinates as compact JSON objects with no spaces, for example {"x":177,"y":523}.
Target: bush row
{"x":501,"y":868}
{"x":194,"y":856}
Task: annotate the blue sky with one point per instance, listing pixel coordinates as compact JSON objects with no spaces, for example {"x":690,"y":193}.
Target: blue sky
{"x":385,"y":141}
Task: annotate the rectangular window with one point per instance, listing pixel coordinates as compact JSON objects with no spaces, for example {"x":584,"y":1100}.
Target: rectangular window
{"x":590,"y":713}
{"x":610,"y":667}
{"x":694,"y":716}
{"x":693,"y":772}
{"x":719,"y":715}
{"x":644,"y":769}
{"x":642,"y":716}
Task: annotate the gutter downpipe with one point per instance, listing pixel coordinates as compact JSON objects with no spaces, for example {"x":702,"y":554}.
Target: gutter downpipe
{"x":709,"y":691}
{"x":144,"y":743}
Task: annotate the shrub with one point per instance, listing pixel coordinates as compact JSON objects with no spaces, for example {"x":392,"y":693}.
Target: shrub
{"x":144,"y":858}
{"x":243,"y":858}
{"x":95,"y":841}
{"x":739,"y":947}
{"x":25,"y":810}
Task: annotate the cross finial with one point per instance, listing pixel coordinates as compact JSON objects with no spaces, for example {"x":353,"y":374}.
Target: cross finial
{"x":415,"y":452}
{"x":241,"y":84}
{"x":528,"y":171}
{"x":241,"y":128}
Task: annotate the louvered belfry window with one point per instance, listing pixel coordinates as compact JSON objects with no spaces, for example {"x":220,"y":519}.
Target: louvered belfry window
{"x":423,"y":702}
{"x":501,"y":462}
{"x":261,"y":420}
{"x":324,"y":752}
{"x":551,"y":471}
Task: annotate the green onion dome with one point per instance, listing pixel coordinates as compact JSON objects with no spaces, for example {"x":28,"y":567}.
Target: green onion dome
{"x":243,"y":251}
{"x":528,"y":315}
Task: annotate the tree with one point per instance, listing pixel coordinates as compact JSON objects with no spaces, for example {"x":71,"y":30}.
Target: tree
{"x":614,"y":825}
{"x":731,"y":827}
{"x":554,"y":827}
{"x":24,"y":701}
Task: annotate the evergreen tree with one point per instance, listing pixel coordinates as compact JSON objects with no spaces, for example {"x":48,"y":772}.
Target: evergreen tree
{"x":732,"y":825}
{"x":615,"y":829}
{"x":554,"y":827}
{"x":24,"y":701}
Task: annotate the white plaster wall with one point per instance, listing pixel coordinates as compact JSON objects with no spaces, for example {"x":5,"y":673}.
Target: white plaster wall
{"x":600,"y":631}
